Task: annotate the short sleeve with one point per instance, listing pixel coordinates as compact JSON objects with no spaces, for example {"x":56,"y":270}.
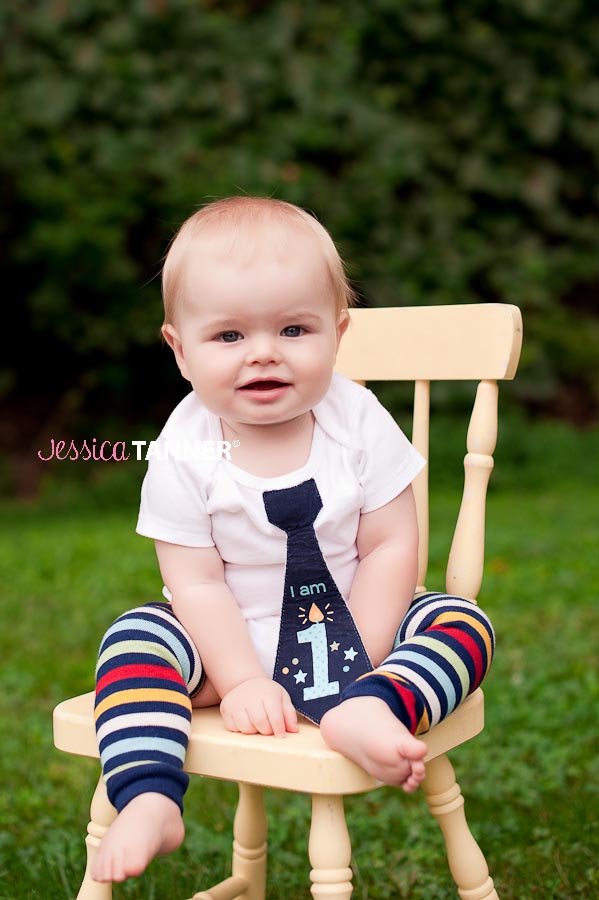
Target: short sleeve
{"x":389,"y":462}
{"x":173,"y":504}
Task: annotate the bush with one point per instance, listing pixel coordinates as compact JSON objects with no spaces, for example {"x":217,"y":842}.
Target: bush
{"x":446,"y":146}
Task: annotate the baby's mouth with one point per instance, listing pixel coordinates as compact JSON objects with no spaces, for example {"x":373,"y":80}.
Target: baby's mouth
{"x":264,"y":385}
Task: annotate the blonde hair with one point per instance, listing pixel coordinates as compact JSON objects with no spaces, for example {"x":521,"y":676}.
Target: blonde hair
{"x":244,"y":222}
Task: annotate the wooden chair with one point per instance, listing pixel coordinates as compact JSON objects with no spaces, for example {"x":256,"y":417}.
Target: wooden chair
{"x":472,"y":342}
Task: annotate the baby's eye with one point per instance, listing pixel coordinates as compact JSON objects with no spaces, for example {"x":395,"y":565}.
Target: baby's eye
{"x":229,"y":337}
{"x":293,"y":331}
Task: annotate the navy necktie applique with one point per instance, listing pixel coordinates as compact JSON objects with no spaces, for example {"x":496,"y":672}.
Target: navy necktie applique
{"x":320,"y":650}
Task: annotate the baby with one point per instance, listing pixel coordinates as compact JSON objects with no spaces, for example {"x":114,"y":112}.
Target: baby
{"x":256,"y":304}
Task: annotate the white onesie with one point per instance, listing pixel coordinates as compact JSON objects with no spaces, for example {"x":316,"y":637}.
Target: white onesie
{"x":360,"y":460}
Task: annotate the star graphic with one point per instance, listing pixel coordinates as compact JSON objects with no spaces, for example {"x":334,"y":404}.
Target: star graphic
{"x":300,"y":676}
{"x":351,"y":654}
{"x":335,"y":645}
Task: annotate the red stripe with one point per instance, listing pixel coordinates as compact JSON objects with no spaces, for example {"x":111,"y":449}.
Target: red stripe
{"x":470,"y":647}
{"x":122,"y":673}
{"x":474,"y":651}
{"x":409,"y":702}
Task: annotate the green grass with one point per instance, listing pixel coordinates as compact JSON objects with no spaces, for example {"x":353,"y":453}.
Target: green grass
{"x":71,"y":562}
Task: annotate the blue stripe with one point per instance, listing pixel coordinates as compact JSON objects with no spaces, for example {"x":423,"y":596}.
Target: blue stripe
{"x":139,"y":746}
{"x":161,"y":759}
{"x":149,"y":732}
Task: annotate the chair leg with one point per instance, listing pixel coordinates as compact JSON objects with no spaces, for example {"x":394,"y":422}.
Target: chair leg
{"x":466,"y":861}
{"x":248,"y":881}
{"x":329,"y":849}
{"x":102,"y":815}
{"x":250,"y":841}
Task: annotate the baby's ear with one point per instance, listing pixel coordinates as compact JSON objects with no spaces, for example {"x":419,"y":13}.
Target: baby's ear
{"x":342,"y":325}
{"x":173,"y":339}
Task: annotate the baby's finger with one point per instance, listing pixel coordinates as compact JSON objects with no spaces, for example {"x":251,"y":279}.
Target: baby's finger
{"x":243,"y":722}
{"x":260,"y":718}
{"x":277,"y":719}
{"x":290,"y":715}
{"x":227,"y":718}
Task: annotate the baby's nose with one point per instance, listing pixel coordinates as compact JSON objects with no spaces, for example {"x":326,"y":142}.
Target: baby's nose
{"x":263,"y":350}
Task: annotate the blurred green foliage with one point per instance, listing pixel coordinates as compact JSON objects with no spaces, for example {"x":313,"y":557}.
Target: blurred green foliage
{"x":70,"y":563}
{"x":448,"y":147}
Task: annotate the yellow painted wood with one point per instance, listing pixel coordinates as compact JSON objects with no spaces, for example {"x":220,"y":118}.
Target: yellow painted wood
{"x":250,"y":841}
{"x":466,"y":558}
{"x":432,"y":343}
{"x":466,"y":861}
{"x":329,"y":848}
{"x":258,"y":759}
{"x":420,"y":439}
{"x":479,"y":342}
{"x":230,"y":889}
{"x":102,"y":815}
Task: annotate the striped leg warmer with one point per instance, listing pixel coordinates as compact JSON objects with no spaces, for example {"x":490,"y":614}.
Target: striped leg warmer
{"x":147,"y":669}
{"x":443,"y":651}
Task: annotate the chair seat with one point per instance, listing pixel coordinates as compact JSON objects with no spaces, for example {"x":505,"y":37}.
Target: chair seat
{"x":272,"y":762}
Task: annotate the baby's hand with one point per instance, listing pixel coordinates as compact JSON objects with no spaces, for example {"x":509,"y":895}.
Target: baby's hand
{"x":261,"y":706}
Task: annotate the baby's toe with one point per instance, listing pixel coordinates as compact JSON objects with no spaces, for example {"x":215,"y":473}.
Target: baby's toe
{"x":419,"y":770}
{"x":411,"y":784}
{"x":100,"y":868}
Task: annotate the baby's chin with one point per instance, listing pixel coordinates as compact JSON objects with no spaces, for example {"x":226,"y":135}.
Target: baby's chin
{"x":264,"y":418}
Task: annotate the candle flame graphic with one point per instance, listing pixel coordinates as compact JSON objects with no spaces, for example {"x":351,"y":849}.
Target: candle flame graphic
{"x":315,"y":615}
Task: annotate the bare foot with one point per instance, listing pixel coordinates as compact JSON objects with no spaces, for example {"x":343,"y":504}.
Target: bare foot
{"x":150,"y":825}
{"x":365,"y":730}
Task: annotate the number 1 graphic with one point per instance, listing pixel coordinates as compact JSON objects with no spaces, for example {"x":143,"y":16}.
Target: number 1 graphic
{"x":316,"y":636}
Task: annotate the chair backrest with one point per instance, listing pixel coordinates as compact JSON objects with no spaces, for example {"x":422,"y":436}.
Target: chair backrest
{"x":479,"y":342}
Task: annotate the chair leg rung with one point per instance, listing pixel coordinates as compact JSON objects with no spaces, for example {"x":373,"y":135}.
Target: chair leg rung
{"x":229,"y":889}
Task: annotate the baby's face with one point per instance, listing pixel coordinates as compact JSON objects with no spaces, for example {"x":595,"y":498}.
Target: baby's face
{"x":257,"y":339}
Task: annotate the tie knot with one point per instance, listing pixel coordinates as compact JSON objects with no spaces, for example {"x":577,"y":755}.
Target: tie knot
{"x":293,"y":508}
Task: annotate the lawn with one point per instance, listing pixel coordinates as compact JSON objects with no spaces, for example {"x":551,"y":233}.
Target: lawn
{"x":70,"y":562}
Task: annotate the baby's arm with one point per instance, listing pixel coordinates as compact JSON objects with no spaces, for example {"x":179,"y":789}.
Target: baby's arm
{"x":385,"y":579}
{"x":202,"y":601}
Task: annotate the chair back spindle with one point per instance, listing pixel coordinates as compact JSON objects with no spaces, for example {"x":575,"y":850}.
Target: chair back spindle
{"x":466,"y":559}
{"x":420,"y":439}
